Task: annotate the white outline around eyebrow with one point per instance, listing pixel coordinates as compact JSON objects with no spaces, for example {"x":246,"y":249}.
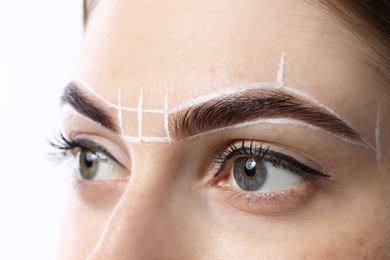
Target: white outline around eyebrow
{"x":279,"y":121}
{"x":278,"y":84}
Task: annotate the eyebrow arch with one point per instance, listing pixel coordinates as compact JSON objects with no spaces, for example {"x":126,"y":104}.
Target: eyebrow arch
{"x":254,"y":104}
{"x":234,"y":110}
{"x":74,"y":96}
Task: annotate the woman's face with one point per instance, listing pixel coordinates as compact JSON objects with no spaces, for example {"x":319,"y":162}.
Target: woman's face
{"x":227,"y":130}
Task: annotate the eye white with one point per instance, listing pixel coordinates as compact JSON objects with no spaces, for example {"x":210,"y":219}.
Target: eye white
{"x":277,"y":178}
{"x":106,"y":168}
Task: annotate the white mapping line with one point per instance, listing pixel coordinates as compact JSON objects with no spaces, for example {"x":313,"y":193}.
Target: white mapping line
{"x":265,"y":85}
{"x":86,"y":86}
{"x":316,"y":102}
{"x":378,"y":134}
{"x":220,"y":93}
{"x":131,"y":109}
{"x":120,"y":116}
{"x":146,"y":139}
{"x":166,"y":126}
{"x":279,"y":76}
{"x":82,"y":83}
{"x":140,"y":113}
{"x":279,"y":121}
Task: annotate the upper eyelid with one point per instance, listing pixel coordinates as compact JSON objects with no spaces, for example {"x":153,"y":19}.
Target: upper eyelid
{"x":87,"y":144}
{"x":242,"y":150}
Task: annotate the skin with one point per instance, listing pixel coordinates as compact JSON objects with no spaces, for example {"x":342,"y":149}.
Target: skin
{"x":171,"y":207}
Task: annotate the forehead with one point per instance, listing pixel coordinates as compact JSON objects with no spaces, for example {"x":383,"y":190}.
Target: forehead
{"x":187,"y":49}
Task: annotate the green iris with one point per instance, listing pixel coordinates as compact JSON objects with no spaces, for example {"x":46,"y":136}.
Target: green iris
{"x":88,"y":164}
{"x":250,"y":173}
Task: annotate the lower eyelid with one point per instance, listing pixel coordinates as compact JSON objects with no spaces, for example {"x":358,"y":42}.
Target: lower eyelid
{"x":265,"y":203}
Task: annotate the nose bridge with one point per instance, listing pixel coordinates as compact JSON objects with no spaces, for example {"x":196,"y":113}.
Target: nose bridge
{"x":147,"y":220}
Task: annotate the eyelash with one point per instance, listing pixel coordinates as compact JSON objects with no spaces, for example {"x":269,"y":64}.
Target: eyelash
{"x":277,"y":159}
{"x":65,"y":147}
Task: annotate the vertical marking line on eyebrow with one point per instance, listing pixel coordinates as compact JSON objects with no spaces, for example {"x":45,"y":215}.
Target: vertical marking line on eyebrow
{"x":83,"y":84}
{"x":140,"y":113}
{"x":166,"y":114}
{"x":120,"y":116}
{"x":378,"y":134}
{"x":280,"y":74}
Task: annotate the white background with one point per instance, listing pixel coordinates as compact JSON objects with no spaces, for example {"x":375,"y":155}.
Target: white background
{"x":39,"y":45}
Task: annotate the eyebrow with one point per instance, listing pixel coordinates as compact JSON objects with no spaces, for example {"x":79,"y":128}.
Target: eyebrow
{"x":256,"y":104}
{"x":88,"y":6}
{"x":75,"y":97}
{"x":223,"y":112}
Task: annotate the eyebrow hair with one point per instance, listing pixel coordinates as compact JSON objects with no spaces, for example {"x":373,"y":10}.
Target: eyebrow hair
{"x":223,"y":112}
{"x":74,"y":96}
{"x":88,"y":6}
{"x":253,"y":104}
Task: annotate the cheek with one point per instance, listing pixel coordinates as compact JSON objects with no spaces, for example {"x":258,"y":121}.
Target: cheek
{"x":81,"y":230}
{"x":356,"y":229}
{"x":353,"y":242}
{"x":360,"y":230}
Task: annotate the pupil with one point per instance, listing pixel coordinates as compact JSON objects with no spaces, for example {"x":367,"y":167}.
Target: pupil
{"x":89,"y":158}
{"x":249,"y":173}
{"x":250,"y":167}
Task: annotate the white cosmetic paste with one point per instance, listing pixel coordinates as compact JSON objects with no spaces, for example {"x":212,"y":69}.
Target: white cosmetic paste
{"x":279,"y":76}
{"x":278,"y":84}
{"x":278,"y":121}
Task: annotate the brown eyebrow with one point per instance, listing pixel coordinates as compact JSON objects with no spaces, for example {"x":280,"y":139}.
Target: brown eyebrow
{"x":88,"y":6}
{"x":223,"y":112}
{"x":254,"y":104}
{"x":74,"y":96}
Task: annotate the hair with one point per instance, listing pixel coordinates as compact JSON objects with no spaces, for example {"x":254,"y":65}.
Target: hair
{"x":368,"y":19}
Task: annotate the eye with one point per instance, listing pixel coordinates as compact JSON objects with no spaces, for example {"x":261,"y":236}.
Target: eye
{"x":93,"y":161}
{"x":96,"y":166}
{"x":252,"y":168}
{"x":255,"y":174}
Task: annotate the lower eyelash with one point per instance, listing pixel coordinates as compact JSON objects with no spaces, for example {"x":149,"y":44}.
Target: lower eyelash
{"x":261,"y":196}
